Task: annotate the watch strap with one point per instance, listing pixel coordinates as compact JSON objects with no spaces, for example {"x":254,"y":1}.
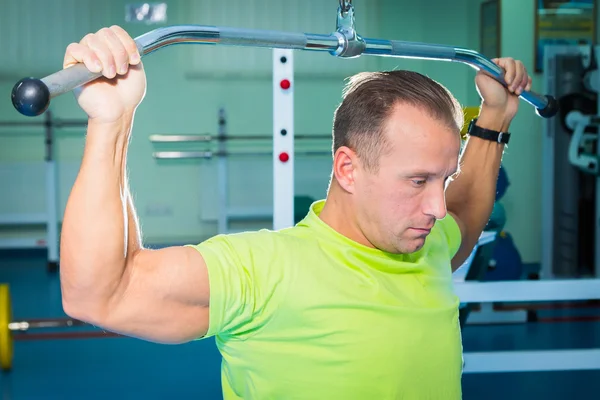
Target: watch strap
{"x":487,"y":134}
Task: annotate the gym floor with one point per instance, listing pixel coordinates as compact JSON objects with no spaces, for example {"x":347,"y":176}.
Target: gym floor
{"x":125,"y":368}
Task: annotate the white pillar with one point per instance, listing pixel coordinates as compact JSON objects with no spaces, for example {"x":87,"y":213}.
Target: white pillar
{"x":283,"y":138}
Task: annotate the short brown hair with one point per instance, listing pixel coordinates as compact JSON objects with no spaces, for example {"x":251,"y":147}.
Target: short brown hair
{"x":368,"y":98}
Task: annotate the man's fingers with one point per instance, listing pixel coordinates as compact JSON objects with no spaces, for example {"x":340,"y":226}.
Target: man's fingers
{"x":528,"y":87}
{"x":128,"y":43}
{"x":521,"y":78}
{"x":80,"y":53}
{"x":110,"y":51}
{"x":118,"y":53}
{"x":100,"y":48}
{"x":508,"y":64}
{"x":515,"y":75}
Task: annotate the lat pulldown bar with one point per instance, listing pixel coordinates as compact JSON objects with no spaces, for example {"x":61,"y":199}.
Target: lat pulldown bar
{"x":32,"y":96}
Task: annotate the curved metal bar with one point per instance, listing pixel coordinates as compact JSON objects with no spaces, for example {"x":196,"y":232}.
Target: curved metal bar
{"x":479,"y":62}
{"x":32,"y":96}
{"x":226,"y":36}
{"x":402,"y":49}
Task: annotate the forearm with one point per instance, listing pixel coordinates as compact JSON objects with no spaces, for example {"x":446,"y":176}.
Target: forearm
{"x":100,"y":230}
{"x":472,"y":194}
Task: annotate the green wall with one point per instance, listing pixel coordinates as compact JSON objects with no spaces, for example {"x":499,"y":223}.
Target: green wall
{"x":178,"y":101}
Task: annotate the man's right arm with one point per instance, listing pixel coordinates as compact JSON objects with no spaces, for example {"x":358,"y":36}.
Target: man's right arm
{"x":107,"y":277}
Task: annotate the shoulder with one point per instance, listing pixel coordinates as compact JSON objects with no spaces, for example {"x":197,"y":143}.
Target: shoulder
{"x":248,"y":275}
{"x":249,"y":246}
{"x":238,"y":243}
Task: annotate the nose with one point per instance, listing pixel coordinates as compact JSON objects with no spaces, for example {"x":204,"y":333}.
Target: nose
{"x":434,"y":201}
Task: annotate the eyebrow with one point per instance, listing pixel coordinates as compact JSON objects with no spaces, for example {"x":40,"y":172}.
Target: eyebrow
{"x":420,"y":173}
{"x":429,"y":173}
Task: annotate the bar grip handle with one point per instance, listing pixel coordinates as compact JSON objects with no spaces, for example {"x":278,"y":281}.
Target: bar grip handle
{"x":551,"y":108}
{"x":546,"y":106}
{"x":31,"y":96}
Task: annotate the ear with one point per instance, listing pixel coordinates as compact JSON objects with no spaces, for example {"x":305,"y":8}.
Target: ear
{"x":345,"y":163}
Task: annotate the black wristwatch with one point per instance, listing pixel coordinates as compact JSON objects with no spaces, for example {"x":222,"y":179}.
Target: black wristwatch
{"x":487,"y":134}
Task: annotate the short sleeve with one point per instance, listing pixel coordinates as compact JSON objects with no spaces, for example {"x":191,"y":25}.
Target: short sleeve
{"x":243,"y":283}
{"x":451,"y":231}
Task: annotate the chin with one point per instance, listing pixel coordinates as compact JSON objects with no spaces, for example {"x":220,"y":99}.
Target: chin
{"x":412,"y":247}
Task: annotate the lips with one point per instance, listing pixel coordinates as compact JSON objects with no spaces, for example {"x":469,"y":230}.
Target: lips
{"x":423,"y":230}
{"x":426,"y":228}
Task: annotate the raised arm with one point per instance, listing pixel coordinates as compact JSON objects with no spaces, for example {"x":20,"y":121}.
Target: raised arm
{"x":470,"y":197}
{"x":107,"y":277}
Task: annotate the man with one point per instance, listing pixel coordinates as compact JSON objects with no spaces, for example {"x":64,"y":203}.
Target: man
{"x":356,"y":301}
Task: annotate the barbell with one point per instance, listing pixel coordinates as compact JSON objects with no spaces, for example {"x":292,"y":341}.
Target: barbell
{"x":31,"y":96}
{"x":9,"y":329}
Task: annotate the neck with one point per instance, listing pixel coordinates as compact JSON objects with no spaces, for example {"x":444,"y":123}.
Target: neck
{"x":339,"y":213}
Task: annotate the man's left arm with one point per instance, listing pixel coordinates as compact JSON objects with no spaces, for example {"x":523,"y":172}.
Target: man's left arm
{"x":470,"y":197}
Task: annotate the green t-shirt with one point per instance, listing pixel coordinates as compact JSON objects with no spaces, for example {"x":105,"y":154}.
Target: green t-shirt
{"x":306,"y":313}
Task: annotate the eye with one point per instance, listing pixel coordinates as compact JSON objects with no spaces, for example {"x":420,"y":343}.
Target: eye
{"x":419,"y":182}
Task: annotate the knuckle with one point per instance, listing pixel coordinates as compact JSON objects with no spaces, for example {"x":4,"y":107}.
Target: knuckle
{"x":106,"y":60}
{"x":120,"y":52}
{"x":72,"y":47}
{"x":104,"y":31}
{"x":117,"y":29}
{"x":87,"y":38}
{"x":131,"y":47}
{"x":106,"y":34}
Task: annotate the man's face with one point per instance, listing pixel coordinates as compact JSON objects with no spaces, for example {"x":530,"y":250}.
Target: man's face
{"x":398,"y":205}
